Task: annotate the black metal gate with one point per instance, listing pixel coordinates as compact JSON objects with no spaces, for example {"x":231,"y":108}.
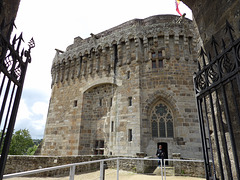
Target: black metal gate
{"x":13,"y":66}
{"x":217,"y":87}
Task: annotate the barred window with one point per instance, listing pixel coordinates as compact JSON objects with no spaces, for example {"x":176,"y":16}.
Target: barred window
{"x":162,"y":121}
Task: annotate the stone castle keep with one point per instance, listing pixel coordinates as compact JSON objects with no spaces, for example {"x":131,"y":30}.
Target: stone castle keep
{"x":126,"y":90}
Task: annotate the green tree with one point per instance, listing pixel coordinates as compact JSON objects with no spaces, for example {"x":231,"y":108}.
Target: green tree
{"x":21,"y":141}
{"x":2,"y":137}
{"x":32,"y":150}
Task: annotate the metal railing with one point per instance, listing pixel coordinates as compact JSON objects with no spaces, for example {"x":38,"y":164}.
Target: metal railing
{"x":102,"y":169}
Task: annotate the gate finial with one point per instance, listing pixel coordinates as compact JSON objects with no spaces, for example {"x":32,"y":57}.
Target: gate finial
{"x":229,"y":29}
{"x":214,"y":44}
{"x":202,"y":54}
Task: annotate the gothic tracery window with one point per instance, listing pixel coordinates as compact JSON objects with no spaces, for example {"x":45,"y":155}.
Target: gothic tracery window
{"x":161,"y":121}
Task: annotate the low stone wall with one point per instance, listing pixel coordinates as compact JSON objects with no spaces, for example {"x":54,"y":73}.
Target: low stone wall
{"x":194,"y":169}
{"x":187,"y":168}
{"x":16,"y":164}
{"x":25,"y":163}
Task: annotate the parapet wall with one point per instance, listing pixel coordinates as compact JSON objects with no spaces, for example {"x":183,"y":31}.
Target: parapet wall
{"x":17,"y":164}
{"x":132,"y":40}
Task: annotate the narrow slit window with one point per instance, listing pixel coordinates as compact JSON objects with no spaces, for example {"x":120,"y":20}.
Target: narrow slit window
{"x":129,"y":135}
{"x":112,"y":126}
{"x":109,"y":69}
{"x":115,"y":52}
{"x":100,"y":101}
{"x":129,"y":101}
{"x":128,"y":75}
{"x":111,"y":102}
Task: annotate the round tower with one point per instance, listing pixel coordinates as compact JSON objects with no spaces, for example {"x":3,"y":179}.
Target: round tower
{"x":125,"y":91}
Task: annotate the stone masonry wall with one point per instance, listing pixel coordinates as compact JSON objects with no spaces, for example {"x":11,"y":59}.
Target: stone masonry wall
{"x":104,"y":88}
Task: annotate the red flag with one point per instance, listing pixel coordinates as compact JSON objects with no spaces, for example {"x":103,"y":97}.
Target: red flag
{"x":177,"y":9}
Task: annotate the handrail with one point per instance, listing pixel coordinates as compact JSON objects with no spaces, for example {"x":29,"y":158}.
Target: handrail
{"x":101,"y":161}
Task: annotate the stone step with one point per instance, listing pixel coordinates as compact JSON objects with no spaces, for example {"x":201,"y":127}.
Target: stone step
{"x":170,"y":171}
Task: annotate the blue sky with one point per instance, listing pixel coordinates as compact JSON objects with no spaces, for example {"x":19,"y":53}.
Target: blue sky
{"x":55,"y":24}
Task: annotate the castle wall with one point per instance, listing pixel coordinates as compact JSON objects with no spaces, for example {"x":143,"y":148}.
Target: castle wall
{"x":106,"y":89}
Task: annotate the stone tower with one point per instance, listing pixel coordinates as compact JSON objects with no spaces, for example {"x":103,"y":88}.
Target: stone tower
{"x":125,"y":91}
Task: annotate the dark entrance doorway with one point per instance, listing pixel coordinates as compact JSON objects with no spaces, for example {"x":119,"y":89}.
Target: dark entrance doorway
{"x":164,"y":148}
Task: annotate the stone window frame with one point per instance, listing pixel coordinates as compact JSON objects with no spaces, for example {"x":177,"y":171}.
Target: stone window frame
{"x":162,"y":119}
{"x":157,"y":59}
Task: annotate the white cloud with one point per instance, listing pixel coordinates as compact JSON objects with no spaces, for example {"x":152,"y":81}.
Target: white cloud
{"x":40,"y":108}
{"x":23,"y":111}
{"x":32,"y":117}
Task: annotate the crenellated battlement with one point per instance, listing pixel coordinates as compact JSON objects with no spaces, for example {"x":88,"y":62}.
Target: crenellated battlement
{"x":132,"y":41}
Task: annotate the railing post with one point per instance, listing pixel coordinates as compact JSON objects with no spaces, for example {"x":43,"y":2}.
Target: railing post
{"x":162,"y":168}
{"x":165,"y":169}
{"x":118,"y":169}
{"x":102,"y":170}
{"x":72,"y":173}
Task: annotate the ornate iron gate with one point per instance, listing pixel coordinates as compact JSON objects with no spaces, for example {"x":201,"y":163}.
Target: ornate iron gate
{"x":217,"y":87}
{"x":13,"y":66}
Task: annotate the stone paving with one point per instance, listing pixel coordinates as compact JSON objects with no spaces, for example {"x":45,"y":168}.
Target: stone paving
{"x":110,"y":174}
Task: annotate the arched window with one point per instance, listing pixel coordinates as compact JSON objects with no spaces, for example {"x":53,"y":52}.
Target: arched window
{"x":161,"y":121}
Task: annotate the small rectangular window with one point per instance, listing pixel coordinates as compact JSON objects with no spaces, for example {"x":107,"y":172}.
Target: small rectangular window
{"x":75,"y":103}
{"x":129,"y":101}
{"x":129,"y":134}
{"x":101,"y":144}
{"x":96,"y":144}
